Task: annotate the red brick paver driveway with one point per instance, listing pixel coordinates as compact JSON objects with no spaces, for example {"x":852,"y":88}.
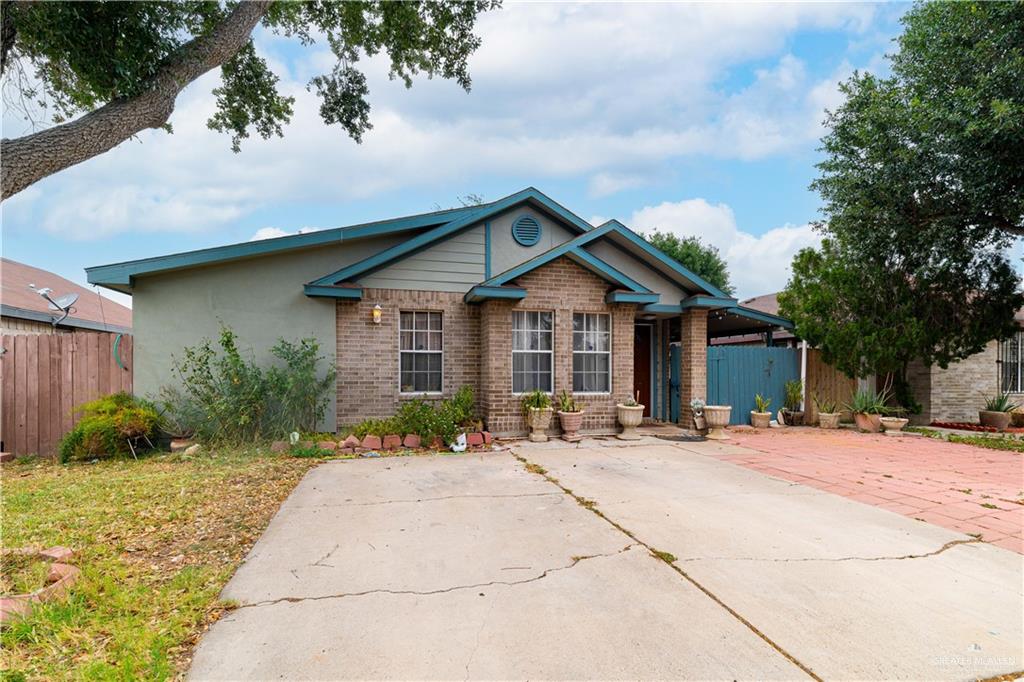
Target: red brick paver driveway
{"x":960,"y":487}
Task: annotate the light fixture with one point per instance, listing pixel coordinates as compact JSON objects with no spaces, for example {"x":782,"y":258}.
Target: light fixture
{"x":377,"y":313}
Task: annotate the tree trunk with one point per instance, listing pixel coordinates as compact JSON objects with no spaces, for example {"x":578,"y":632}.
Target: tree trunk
{"x":26,"y":160}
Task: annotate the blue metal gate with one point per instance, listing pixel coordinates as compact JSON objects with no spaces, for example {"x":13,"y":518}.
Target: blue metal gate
{"x":673,"y":383}
{"x":736,"y":373}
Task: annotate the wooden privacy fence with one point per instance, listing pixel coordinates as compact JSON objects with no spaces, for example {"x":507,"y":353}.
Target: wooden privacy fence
{"x":826,"y":382}
{"x":45,"y":376}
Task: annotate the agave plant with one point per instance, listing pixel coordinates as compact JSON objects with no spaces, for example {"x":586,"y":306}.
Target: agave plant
{"x":868,"y":401}
{"x":825,"y":405}
{"x":1000,"y":403}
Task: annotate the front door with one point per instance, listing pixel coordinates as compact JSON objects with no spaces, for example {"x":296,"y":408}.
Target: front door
{"x":642,"y":366}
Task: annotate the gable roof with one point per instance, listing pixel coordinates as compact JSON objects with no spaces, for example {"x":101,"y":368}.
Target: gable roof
{"x":119,"y":275}
{"x":89,"y":312}
{"x":384,"y":258}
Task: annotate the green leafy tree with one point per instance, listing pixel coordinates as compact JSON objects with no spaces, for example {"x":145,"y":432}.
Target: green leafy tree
{"x":702,"y":259}
{"x":923,"y":192}
{"x":119,"y":66}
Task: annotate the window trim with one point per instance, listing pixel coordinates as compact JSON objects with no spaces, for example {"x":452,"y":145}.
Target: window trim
{"x":611,"y":340}
{"x":398,"y":328}
{"x":1018,"y":387}
{"x":512,"y":364}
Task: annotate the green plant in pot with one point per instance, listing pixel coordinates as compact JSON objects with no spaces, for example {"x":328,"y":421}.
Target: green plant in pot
{"x":997,"y":412}
{"x":761,"y":418}
{"x":570,"y":414}
{"x":630,"y":414}
{"x":794,"y":397}
{"x":828,"y":412}
{"x":537,"y":410}
{"x":868,"y":407}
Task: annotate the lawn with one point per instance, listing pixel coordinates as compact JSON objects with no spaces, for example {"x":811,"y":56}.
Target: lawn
{"x":157,"y":539}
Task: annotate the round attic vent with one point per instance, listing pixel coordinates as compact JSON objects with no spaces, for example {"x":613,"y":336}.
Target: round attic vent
{"x":526,"y":230}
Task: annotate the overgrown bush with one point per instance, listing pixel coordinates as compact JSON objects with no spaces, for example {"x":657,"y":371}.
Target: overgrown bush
{"x":447,"y":420}
{"x":224,"y":396}
{"x":107,"y":426}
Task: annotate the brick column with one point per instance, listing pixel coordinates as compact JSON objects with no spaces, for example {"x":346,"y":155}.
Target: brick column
{"x":693,"y":373}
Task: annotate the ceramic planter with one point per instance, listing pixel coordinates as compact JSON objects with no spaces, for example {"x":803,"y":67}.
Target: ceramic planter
{"x":893,"y":424}
{"x":718,"y":419}
{"x":630,"y":416}
{"x":760,"y":420}
{"x":829,"y":420}
{"x":869,"y":423}
{"x":997,"y":420}
{"x":571,"y":423}
{"x":539,"y":419}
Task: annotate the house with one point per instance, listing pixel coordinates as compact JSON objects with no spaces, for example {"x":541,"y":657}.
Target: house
{"x":768,"y":304}
{"x":24,"y":311}
{"x":509,"y":296}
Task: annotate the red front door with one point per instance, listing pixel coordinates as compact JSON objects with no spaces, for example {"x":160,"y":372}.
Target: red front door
{"x":642,"y":366}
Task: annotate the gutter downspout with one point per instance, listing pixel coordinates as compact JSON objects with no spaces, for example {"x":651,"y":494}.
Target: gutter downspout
{"x":803,"y":375}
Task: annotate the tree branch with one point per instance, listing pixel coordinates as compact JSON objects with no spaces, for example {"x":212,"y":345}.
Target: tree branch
{"x":28,"y":159}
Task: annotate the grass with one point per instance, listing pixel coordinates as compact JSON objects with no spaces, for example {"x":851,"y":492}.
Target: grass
{"x":156,"y":540}
{"x":991,"y":442}
{"x":20,"y":573}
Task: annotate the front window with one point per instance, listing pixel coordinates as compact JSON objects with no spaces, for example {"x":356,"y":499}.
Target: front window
{"x":591,"y":353}
{"x":1011,"y":372}
{"x":532,"y":351}
{"x":420,"y":351}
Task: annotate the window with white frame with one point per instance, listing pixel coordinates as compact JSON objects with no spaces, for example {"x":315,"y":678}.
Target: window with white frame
{"x":420,"y":351}
{"x":1011,"y":364}
{"x":532,"y":351}
{"x":591,"y":353}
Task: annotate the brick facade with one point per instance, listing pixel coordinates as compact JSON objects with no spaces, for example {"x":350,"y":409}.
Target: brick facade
{"x":367,"y":353}
{"x":563,"y":288}
{"x":693,"y":370}
{"x":959,"y":391}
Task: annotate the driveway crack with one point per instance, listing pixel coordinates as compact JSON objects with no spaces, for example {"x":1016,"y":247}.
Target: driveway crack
{"x":445,"y":590}
{"x":904,"y":557}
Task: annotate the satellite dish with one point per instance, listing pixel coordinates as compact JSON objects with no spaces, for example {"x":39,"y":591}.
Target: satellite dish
{"x":64,"y":302}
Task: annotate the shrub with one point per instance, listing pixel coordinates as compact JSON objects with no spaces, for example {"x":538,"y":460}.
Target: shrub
{"x":225,"y":396}
{"x":417,"y":416}
{"x":107,"y":426}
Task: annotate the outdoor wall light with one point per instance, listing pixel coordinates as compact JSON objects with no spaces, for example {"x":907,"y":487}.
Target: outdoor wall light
{"x":377,"y":313}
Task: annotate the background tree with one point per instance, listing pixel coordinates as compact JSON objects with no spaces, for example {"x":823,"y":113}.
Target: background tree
{"x":119,"y":66}
{"x":703,"y":259}
{"x":924,"y":192}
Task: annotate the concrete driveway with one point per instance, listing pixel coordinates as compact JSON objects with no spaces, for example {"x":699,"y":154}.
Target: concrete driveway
{"x":473,"y":567}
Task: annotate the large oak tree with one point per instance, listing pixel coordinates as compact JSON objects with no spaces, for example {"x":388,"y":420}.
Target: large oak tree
{"x":109,"y":70}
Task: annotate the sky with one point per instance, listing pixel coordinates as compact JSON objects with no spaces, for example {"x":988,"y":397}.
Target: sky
{"x":699,"y":119}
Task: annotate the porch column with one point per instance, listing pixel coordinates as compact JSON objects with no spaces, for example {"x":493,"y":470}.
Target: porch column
{"x":693,"y":372}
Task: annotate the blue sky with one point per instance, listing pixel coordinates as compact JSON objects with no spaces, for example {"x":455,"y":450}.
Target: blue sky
{"x":698,"y":118}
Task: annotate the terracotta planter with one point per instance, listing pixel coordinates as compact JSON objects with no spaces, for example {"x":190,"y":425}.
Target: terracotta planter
{"x":539,"y":419}
{"x":571,"y":423}
{"x":760,"y":420}
{"x":893,"y":424}
{"x":869,"y":423}
{"x":718,"y":419}
{"x":997,"y":420}
{"x":829,"y":420}
{"x":630,"y":416}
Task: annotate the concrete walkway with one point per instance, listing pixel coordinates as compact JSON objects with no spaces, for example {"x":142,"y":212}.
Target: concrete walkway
{"x":473,"y":567}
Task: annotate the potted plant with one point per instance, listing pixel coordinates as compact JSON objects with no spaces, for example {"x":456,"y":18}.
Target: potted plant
{"x":791,"y":412}
{"x":718,"y":418}
{"x":537,"y":409}
{"x":630,"y":414}
{"x":828,"y":413}
{"x":761,"y":418}
{"x":867,"y":408}
{"x":697,"y":408}
{"x":570,"y":414}
{"x":997,"y":412}
{"x":893,"y":424}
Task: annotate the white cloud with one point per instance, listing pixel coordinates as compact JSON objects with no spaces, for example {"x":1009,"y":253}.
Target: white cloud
{"x":758,"y":264}
{"x":607,"y":93}
{"x":274,"y":232}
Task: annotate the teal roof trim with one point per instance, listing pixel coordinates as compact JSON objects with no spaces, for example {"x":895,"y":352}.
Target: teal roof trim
{"x":481,"y":213}
{"x":631,"y":297}
{"x":767,"y":318}
{"x":331,"y":291}
{"x":122,"y":273}
{"x":663,"y":258}
{"x":701,"y":301}
{"x":583,"y":258}
{"x":662,"y":308}
{"x":482,"y":293}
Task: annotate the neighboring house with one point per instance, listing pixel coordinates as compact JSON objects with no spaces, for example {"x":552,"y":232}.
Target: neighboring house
{"x":765,"y":303}
{"x":506,"y":297}
{"x":23,"y":311}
